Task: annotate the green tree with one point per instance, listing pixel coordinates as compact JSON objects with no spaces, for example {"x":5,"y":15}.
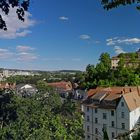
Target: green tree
{"x":90,"y":76}
{"x":39,"y":117}
{"x":104,"y":66}
{"x":109,"y":4}
{"x":103,"y":75}
{"x":105,"y":135}
{"x":136,"y":136}
{"x":22,"y":6}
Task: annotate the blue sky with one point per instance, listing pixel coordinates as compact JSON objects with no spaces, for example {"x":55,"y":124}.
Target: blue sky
{"x":67,"y":34}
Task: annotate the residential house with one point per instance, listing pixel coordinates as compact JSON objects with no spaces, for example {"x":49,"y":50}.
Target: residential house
{"x":115,"y":109}
{"x":79,"y":94}
{"x":63,"y":88}
{"x":26,"y":90}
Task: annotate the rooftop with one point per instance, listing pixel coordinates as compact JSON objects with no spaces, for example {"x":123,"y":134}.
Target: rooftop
{"x":109,"y":97}
{"x":62,"y":85}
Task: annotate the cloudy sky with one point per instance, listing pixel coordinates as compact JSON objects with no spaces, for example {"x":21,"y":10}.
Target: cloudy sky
{"x":67,"y":34}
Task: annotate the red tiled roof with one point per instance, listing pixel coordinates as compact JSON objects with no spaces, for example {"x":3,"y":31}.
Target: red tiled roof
{"x":132,"y":99}
{"x":130,"y":94}
{"x":63,"y":85}
{"x":7,"y":85}
{"x":93,"y":91}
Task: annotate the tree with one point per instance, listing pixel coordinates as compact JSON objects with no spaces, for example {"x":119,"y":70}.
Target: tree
{"x":38,"y":118}
{"x":104,"y":66}
{"x":136,"y":136}
{"x":109,"y":4}
{"x":105,"y":135}
{"x":102,"y":75}
{"x":5,"y":5}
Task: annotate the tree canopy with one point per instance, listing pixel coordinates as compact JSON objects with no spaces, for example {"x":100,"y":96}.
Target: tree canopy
{"x":103,"y":75}
{"x":109,"y":4}
{"x":5,"y":5}
{"x":38,"y":118}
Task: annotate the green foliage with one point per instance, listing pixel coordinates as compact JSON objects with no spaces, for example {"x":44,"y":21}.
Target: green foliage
{"x":105,"y":135}
{"x":109,"y":4}
{"x":136,"y":136}
{"x":38,"y":118}
{"x":22,"y":6}
{"x":103,"y":75}
{"x":24,"y":79}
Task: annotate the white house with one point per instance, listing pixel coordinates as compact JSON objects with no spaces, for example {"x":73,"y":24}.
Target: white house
{"x":26,"y":90}
{"x":116,"y":110}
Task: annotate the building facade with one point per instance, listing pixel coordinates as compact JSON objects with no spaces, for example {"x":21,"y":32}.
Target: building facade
{"x":114,"y":110}
{"x":130,"y":60}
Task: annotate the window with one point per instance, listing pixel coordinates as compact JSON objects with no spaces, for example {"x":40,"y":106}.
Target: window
{"x":104,"y":116}
{"x":122,"y":114}
{"x":123,"y":125}
{"x":88,"y":128}
{"x":96,"y":111}
{"x":122,"y":104}
{"x":88,"y":119}
{"x":112,"y":112}
{"x":96,"y":120}
{"x":113,"y":135}
{"x":87,"y":109}
{"x":112,"y":123}
{"x":88,"y":136}
{"x":96,"y":131}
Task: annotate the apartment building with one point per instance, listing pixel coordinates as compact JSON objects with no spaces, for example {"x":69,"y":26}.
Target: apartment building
{"x":116,"y":110}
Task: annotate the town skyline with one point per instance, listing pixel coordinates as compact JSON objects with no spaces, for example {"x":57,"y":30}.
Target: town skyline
{"x":67,"y":35}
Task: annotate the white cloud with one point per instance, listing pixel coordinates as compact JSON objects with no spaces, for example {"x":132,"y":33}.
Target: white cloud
{"x":63,"y":18}
{"x":130,"y":41}
{"x":16,"y":28}
{"x":85,"y":37}
{"x":24,"y":53}
{"x":21,"y":48}
{"x":118,"y":50}
{"x":24,"y":56}
{"x":126,"y":41}
{"x":21,"y":53}
{"x":5,"y":54}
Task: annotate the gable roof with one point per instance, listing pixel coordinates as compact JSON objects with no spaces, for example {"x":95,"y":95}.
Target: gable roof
{"x":110,"y":97}
{"x":132,"y":100}
{"x":26,"y":86}
{"x":62,"y":85}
